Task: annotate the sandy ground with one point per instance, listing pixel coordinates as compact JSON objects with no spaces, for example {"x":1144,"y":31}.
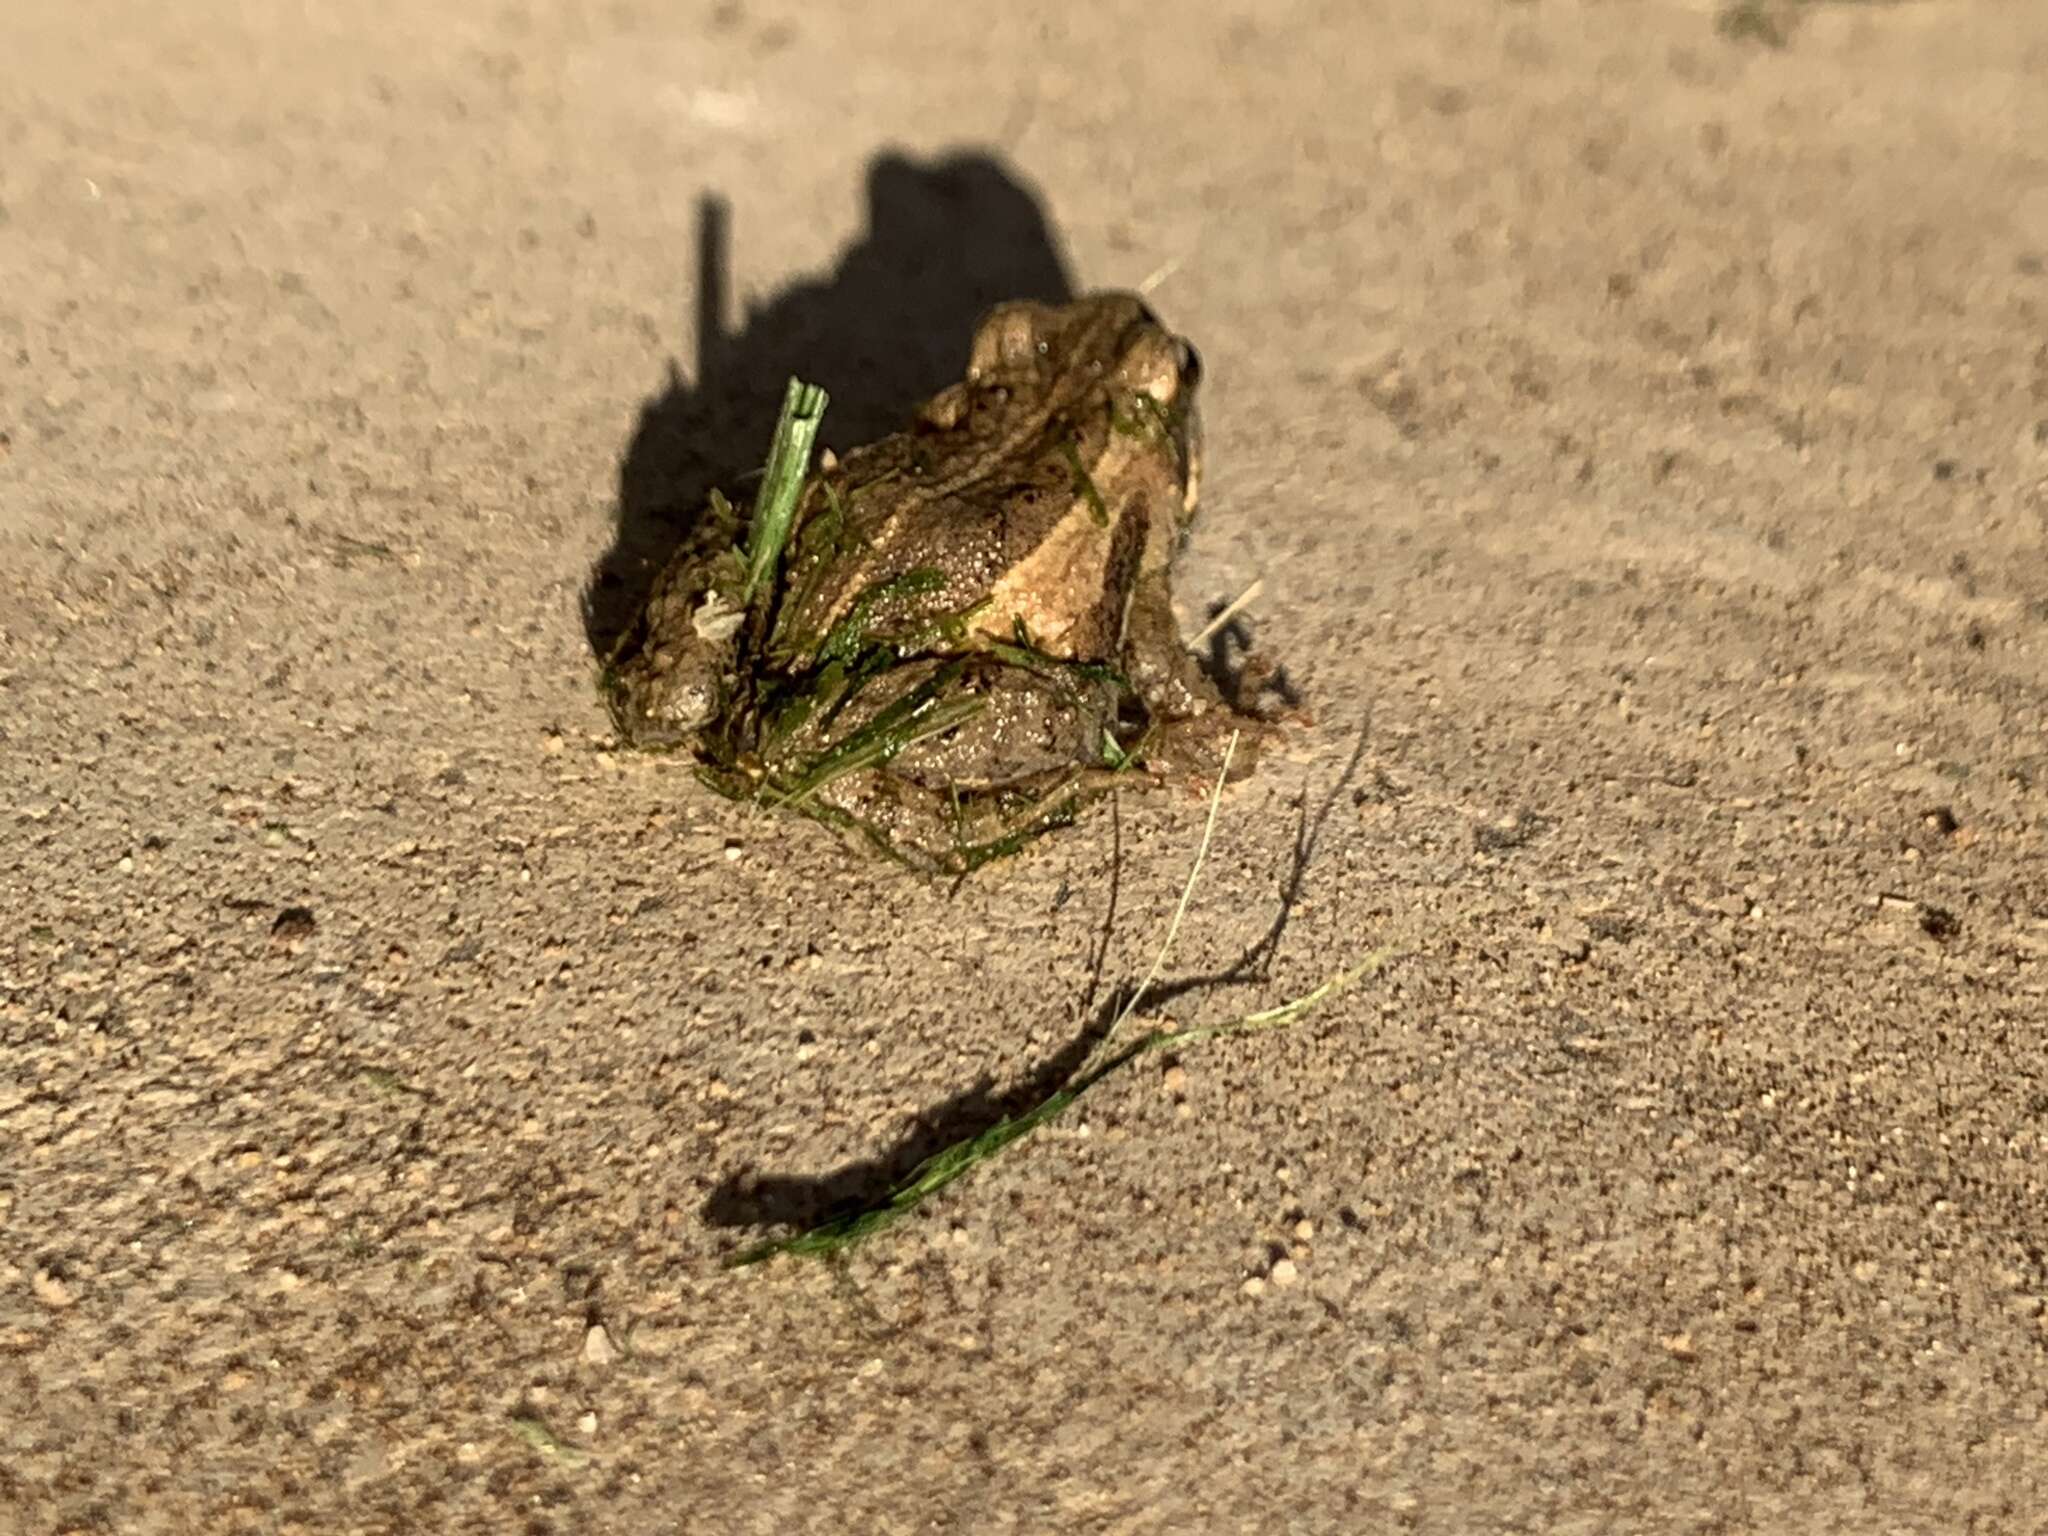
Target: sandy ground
{"x":1642,"y":433}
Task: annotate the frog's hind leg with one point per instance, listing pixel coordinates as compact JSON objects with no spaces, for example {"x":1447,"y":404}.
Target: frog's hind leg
{"x":946,"y":831}
{"x":904,"y":820}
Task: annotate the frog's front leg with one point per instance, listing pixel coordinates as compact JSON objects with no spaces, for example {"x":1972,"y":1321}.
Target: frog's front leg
{"x":1190,"y":721}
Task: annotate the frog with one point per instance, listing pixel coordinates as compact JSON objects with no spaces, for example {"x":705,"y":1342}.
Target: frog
{"x":970,"y":631}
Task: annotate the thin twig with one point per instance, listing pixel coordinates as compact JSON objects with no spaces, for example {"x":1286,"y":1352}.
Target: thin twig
{"x":1159,"y":274}
{"x":1186,"y":894}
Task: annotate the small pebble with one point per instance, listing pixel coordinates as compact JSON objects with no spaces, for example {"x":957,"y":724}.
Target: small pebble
{"x":1284,"y":1272}
{"x":598,"y":1348}
{"x":1305,"y":1230}
{"x":1253,"y":1287}
{"x":588,"y":1423}
{"x":1571,"y":937}
{"x":1174,"y":1080}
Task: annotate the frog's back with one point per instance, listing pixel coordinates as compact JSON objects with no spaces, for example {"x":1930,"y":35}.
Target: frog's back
{"x":907,"y":540}
{"x":1020,"y":504}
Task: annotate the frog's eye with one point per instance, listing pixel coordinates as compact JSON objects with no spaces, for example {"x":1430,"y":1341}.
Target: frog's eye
{"x":1190,"y":363}
{"x":1011,"y":335}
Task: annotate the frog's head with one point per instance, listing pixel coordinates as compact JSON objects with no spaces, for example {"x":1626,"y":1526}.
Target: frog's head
{"x":1048,"y":346}
{"x":1166,"y":369}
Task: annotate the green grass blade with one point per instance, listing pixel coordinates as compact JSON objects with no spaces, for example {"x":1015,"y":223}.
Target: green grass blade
{"x":1084,"y":486}
{"x":536,"y":1434}
{"x":782,"y":483}
{"x":849,"y":636}
{"x":919,"y":713}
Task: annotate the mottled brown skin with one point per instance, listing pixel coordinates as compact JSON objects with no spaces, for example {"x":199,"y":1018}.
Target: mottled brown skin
{"x":1039,"y":501}
{"x":991,"y":486}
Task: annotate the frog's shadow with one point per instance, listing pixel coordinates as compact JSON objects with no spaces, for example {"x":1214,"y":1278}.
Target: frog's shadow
{"x":946,"y":240}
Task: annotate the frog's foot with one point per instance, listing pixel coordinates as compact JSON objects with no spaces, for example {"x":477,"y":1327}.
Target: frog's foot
{"x":1193,"y":751}
{"x":671,"y":683}
{"x":1168,"y":679}
{"x":1190,"y":723}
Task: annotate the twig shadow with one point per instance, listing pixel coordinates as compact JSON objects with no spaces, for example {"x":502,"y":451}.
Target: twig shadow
{"x":750,"y":1199}
{"x":1254,"y":965}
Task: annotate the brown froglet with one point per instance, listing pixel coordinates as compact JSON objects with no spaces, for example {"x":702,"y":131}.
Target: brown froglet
{"x":970,"y":630}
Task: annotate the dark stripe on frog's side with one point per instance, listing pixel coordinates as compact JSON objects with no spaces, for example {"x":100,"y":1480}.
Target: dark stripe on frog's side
{"x":1084,"y":484}
{"x":1126,"y":552}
